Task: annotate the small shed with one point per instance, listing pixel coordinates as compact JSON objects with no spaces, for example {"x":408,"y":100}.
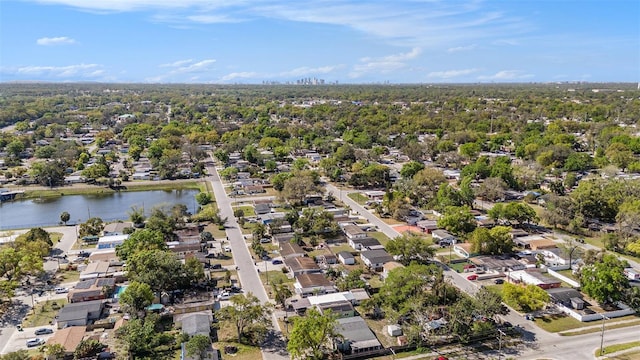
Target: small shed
{"x":394,"y":330}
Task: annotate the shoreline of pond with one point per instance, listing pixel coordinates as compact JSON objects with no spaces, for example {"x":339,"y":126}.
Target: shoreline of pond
{"x":86,"y":189}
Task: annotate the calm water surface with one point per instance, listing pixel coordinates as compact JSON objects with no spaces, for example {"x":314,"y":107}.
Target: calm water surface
{"x":31,"y":213}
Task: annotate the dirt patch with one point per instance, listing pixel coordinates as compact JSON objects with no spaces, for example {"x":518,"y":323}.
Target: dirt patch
{"x":407,"y":228}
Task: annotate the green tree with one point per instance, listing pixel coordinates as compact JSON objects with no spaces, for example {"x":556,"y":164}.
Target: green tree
{"x":92,"y":227}
{"x":65,"y":217}
{"x":296,"y":188}
{"x":49,"y":173}
{"x":161,"y":270}
{"x":136,"y":215}
{"x":408,"y":286}
{"x":411,"y":168}
{"x":88,"y":348}
{"x":458,"y":220}
{"x":410,"y":246}
{"x":17,"y":355}
{"x":496,"y":241}
{"x":37,"y":234}
{"x":526,"y":297}
{"x":203,"y":198}
{"x":244,"y":312}
{"x":311,"y":335}
{"x":605,"y":281}
{"x":350,"y":281}
{"x":55,"y":351}
{"x":136,"y":297}
{"x":281,"y":292}
{"x":197,"y":346}
{"x":144,"y":239}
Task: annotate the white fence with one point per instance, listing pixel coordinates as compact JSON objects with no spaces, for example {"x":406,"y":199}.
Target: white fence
{"x":624,"y":311}
{"x":562,"y":277}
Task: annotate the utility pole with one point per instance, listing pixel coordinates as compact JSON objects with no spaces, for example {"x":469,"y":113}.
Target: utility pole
{"x":500,"y":333}
{"x":602,"y":336}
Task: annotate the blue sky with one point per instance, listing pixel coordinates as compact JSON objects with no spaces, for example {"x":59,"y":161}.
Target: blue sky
{"x":349,"y":41}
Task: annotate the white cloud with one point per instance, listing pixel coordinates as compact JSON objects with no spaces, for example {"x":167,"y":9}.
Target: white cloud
{"x":177,"y":63}
{"x":182,"y":67}
{"x":384,"y":64}
{"x":506,"y":75}
{"x":402,"y":22}
{"x":449,"y":74}
{"x":461,"y":48}
{"x":239,"y":75}
{"x":52,"y":41}
{"x":78,"y":70}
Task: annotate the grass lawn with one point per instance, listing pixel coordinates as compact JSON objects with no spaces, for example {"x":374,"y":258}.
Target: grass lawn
{"x":341,"y":247}
{"x":377,"y":326}
{"x":247,"y":209}
{"x":45,"y":312}
{"x":633,"y":355}
{"x":391,"y":221}
{"x":568,"y":273}
{"x":375,"y":282}
{"x":357,"y":197}
{"x":459,"y":267}
{"x":55,"y":237}
{"x":598,"y":329}
{"x":66,"y":276}
{"x":245,"y":352}
{"x":215,"y":231}
{"x":618,"y":347}
{"x":275,"y":276}
{"x":384,"y":239}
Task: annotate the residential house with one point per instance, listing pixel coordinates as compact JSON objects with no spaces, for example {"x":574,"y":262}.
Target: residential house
{"x":282,"y":237}
{"x":570,"y":298}
{"x":91,"y":289}
{"x":346,"y":258}
{"x":69,"y":337}
{"x":290,"y":250}
{"x":116,"y":228}
{"x":341,"y":309}
{"x":301,"y":265}
{"x":427,"y":226}
{"x":556,"y":256}
{"x":327,"y":259}
{"x":114,"y":269}
{"x":497,"y":263}
{"x":79,"y":314}
{"x":197,"y":323}
{"x":374,"y":194}
{"x":443,"y":237}
{"x":111,"y":241}
{"x":375,"y":259}
{"x":312,"y":284}
{"x":356,"y":338}
{"x":354,"y":232}
{"x":533,"y":277}
{"x":364,"y":243}
{"x":262,"y":209}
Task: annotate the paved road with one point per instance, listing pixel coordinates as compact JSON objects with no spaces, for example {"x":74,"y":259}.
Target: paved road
{"x":247,"y":272}
{"x":22,"y":302}
{"x":538,"y":343}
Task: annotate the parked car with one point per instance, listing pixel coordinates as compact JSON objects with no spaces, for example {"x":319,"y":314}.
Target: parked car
{"x":472,"y":277}
{"x":34,"y":342}
{"x":266,"y":257}
{"x":61,"y":290}
{"x":43,"y":331}
{"x":216,"y":266}
{"x":529,"y":317}
{"x":265,"y":240}
{"x":498,"y":281}
{"x":224,"y":296}
{"x":276,"y":262}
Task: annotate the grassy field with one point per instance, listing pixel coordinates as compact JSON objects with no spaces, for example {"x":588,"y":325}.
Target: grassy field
{"x":129,"y":186}
{"x":598,"y":329}
{"x":44,"y":313}
{"x":357,"y":197}
{"x":245,"y":352}
{"x":247,"y":209}
{"x":384,"y":239}
{"x":618,"y":347}
{"x":633,"y":355}
{"x":65,"y":276}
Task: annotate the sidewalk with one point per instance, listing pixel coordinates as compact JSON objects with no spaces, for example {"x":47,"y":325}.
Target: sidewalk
{"x":597,"y":326}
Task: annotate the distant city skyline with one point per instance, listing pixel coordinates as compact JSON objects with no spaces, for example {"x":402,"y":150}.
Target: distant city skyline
{"x":337,"y":41}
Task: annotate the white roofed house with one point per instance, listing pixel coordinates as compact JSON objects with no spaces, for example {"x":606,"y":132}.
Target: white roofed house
{"x":357,"y":338}
{"x":375,"y":259}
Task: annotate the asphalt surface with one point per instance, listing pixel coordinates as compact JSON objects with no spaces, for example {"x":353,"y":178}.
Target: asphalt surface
{"x":537,"y":343}
{"x":274,"y":348}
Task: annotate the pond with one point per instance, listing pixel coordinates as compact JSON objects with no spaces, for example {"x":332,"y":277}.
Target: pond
{"x":31,"y":213}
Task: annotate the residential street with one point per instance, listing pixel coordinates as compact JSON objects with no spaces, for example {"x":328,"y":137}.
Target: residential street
{"x":247,"y":272}
{"x":538,"y":343}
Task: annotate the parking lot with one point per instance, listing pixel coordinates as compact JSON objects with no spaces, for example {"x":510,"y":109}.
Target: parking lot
{"x":19,"y":339}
